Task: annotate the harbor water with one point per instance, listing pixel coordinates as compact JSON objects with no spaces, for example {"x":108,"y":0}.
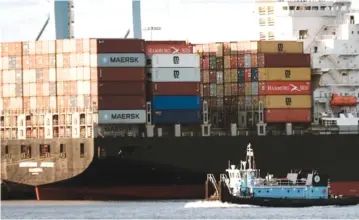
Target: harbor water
{"x":164,"y":210}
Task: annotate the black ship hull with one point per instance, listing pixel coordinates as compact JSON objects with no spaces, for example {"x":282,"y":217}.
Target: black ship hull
{"x":176,"y":168}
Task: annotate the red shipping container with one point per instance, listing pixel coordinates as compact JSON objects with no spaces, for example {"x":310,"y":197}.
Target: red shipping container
{"x":240,"y":63}
{"x":212,"y":76}
{"x":176,"y":42}
{"x":234,"y":62}
{"x":127,"y":45}
{"x":227,"y":48}
{"x":175,"y":88}
{"x":205,"y":63}
{"x":206,"y":90}
{"x":287,"y":115}
{"x":118,"y":74}
{"x":122,"y":88}
{"x":283,"y":60}
{"x":121,"y":102}
{"x":14,"y":49}
{"x":247,"y":75}
{"x":284,"y":88}
{"x":169,"y":49}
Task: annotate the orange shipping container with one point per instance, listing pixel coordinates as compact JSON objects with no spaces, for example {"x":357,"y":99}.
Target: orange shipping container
{"x":288,"y":101}
{"x":277,"y":47}
{"x":287,"y":115}
{"x":284,"y":88}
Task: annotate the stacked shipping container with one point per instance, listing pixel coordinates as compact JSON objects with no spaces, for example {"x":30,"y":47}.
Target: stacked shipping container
{"x":175,"y":88}
{"x":233,"y":78}
{"x":121,"y":81}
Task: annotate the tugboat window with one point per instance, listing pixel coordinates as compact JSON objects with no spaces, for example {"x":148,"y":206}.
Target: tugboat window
{"x":82,"y":150}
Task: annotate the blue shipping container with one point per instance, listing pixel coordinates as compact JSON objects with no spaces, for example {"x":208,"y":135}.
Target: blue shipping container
{"x":176,"y":102}
{"x":254,"y":74}
{"x":176,"y":117}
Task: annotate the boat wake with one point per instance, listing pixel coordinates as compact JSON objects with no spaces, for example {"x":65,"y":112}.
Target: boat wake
{"x":214,"y":204}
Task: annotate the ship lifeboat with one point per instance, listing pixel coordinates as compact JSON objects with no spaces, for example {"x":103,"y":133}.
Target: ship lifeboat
{"x":338,"y":100}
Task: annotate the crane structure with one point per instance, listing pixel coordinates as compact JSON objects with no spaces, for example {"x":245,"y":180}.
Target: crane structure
{"x":64,"y":19}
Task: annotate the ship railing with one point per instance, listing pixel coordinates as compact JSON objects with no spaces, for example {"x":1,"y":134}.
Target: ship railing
{"x":284,"y":183}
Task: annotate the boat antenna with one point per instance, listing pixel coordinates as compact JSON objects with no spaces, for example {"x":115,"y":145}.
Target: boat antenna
{"x":250,"y":157}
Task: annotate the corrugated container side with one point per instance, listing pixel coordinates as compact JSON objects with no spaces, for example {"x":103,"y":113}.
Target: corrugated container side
{"x":118,"y":60}
{"x":284,"y":60}
{"x":174,"y":60}
{"x":287,"y":115}
{"x":175,"y":102}
{"x":175,"y":74}
{"x":288,"y":101}
{"x":176,"y":117}
{"x":117,"y":45}
{"x":285,"y":87}
{"x":176,"y":42}
{"x":173,"y":88}
{"x":118,"y":74}
{"x":254,"y":88}
{"x":248,"y":88}
{"x":122,"y":88}
{"x":168,"y":49}
{"x":280,"y":47}
{"x":284,"y":74}
{"x":121,"y":102}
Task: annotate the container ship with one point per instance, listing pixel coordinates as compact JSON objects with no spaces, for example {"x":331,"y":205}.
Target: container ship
{"x":112,"y":119}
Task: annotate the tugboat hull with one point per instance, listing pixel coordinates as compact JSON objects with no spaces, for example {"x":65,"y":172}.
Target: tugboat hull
{"x":296,"y":203}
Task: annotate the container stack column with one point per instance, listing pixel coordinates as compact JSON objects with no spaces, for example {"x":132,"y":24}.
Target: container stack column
{"x":284,"y":83}
{"x":175,"y":88}
{"x":11,"y":103}
{"x":120,"y":67}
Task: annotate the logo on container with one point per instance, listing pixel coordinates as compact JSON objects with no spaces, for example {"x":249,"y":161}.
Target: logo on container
{"x":122,"y":116}
{"x":288,"y":101}
{"x":287,"y":73}
{"x":121,"y":60}
{"x":280,"y":47}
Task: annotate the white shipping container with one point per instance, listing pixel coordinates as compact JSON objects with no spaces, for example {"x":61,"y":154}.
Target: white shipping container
{"x":86,"y":87}
{"x":45,"y":89}
{"x":73,"y":59}
{"x":33,"y":103}
{"x":53,"y":103}
{"x":80,"y":101}
{"x":59,"y":60}
{"x":52,"y":75}
{"x":32,"y":47}
{"x":72,"y":45}
{"x":83,"y":59}
{"x":5,"y":63}
{"x":14,"y":103}
{"x":175,"y":60}
{"x":9,"y":76}
{"x":29,"y":76}
{"x":66,"y":46}
{"x":8,"y":90}
{"x":73,"y":74}
{"x":79,"y":73}
{"x":122,"y":117}
{"x":87,"y":73}
{"x":32,"y":89}
{"x":247,"y":60}
{"x":175,"y":74}
{"x":26,"y":89}
{"x":52,"y":47}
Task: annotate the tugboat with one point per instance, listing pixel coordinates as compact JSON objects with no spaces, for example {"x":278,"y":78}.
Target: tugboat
{"x":298,"y":189}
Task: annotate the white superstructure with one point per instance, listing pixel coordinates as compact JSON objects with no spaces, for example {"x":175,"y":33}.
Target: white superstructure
{"x":330,"y":32}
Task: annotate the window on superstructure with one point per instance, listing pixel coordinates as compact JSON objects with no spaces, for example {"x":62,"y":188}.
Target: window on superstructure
{"x":303,"y":34}
{"x":315,"y":8}
{"x":291,"y":8}
{"x":323,"y":8}
{"x":285,"y":8}
{"x":270,"y":21}
{"x":62,"y":148}
{"x":44,"y":150}
{"x":270,"y":10}
{"x":25,"y":151}
{"x":307,"y":8}
{"x":82,"y":150}
{"x":6,"y":149}
{"x":262,"y":22}
{"x":271,"y":35}
{"x":2,"y":121}
{"x":261,"y":11}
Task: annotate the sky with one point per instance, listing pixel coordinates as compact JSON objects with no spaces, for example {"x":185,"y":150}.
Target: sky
{"x":195,"y":20}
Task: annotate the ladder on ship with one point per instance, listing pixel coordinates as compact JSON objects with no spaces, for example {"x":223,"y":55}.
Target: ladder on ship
{"x":212,"y":180}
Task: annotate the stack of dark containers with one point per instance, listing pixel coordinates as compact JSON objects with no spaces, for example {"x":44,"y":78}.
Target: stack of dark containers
{"x":121,"y":84}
